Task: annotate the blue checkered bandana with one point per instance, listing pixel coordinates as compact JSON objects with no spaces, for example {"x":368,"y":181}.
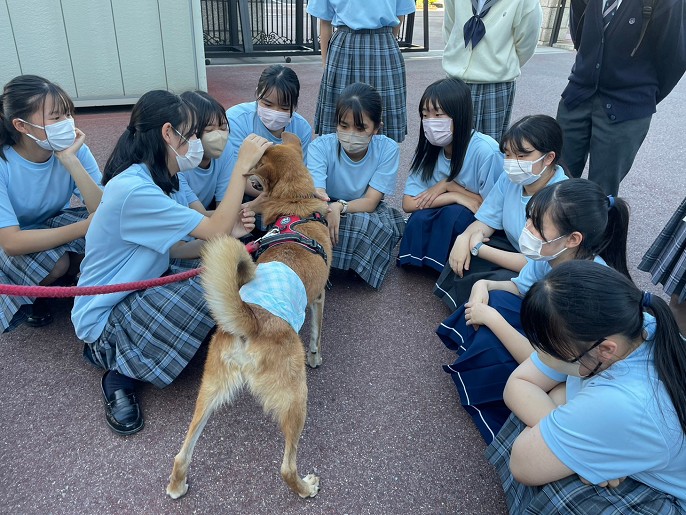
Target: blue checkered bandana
{"x":279,"y":290}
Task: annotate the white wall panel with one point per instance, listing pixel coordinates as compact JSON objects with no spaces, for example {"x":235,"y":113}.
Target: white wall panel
{"x":104,"y":51}
{"x":41,"y":41}
{"x":177,"y":38}
{"x":9,"y":60}
{"x":137,"y":25}
{"x":93,"y":47}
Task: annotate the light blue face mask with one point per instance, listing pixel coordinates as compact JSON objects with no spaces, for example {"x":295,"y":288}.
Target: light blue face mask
{"x":531,"y":246}
{"x":193,"y":155}
{"x":59,"y":136}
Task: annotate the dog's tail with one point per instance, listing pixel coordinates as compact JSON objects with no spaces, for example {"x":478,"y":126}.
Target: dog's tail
{"x":228,"y":266}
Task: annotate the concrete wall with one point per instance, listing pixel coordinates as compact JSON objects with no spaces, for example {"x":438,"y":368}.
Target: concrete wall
{"x":104,"y":52}
{"x":550,"y":8}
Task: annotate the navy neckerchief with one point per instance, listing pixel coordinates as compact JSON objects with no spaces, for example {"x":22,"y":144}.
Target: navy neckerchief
{"x":475,"y":29}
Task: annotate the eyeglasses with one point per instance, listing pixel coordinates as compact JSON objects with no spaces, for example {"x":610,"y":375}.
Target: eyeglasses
{"x":578,"y":358}
{"x":185,"y":140}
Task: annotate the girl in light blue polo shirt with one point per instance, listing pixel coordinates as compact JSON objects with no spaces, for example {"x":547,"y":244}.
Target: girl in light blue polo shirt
{"x":453,"y":170}
{"x":142,"y":223}
{"x":567,"y":220}
{"x":355,"y":168}
{"x":211,"y":177}
{"x":43,"y":162}
{"x":489,"y":247}
{"x":600,"y":408}
{"x":359,"y":43}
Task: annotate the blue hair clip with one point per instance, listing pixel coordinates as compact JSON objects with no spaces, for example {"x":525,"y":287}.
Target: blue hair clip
{"x":611,"y":199}
{"x":647,"y":299}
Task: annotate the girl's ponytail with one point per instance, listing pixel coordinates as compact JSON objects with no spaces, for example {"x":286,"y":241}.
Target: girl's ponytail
{"x":669,"y":354}
{"x":615,"y":237}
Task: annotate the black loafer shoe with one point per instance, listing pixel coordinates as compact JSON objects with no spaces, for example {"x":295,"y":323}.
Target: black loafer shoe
{"x":122,"y":412}
{"x":39,"y":314}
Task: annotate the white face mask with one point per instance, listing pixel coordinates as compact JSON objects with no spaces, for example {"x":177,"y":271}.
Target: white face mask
{"x":531,"y":246}
{"x":60,"y":135}
{"x":352,"y":142}
{"x":193,"y":154}
{"x":438,"y":131}
{"x":272,"y":119}
{"x":214,"y":142}
{"x":520,"y":172}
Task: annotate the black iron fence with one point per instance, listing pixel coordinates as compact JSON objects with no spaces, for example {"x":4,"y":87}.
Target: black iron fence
{"x":275,"y":27}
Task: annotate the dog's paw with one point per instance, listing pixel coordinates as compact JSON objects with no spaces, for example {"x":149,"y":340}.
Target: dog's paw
{"x":314,"y":359}
{"x":312,"y":482}
{"x":178,"y":490}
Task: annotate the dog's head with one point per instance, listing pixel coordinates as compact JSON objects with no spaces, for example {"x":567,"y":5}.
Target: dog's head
{"x":281,"y":171}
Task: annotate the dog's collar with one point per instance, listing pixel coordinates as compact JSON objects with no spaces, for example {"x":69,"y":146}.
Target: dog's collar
{"x":283,"y":231}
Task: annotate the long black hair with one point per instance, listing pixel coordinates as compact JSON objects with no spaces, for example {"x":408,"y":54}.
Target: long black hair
{"x":580,"y":205}
{"x":23,"y":96}
{"x":284,"y":80}
{"x":580,"y":302}
{"x":540,"y":131}
{"x":455,"y":99}
{"x":142,"y":140}
{"x":208,"y":111}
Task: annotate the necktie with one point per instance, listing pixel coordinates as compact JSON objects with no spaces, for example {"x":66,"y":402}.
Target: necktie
{"x":609,"y":11}
{"x":475,"y":29}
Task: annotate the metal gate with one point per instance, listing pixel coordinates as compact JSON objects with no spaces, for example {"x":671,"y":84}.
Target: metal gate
{"x":274,"y":27}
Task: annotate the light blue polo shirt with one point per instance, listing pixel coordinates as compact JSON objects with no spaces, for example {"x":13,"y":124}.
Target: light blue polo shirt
{"x":211,"y":183}
{"x":128,"y":240}
{"x":482,"y":166}
{"x":348,"y":180}
{"x":361,"y":15}
{"x":30,"y":193}
{"x":505,"y":206}
{"x":619,"y":423}
{"x":534,"y":271}
{"x":243,"y":121}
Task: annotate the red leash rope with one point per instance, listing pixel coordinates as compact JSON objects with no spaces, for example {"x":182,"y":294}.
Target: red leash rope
{"x":76,"y":291}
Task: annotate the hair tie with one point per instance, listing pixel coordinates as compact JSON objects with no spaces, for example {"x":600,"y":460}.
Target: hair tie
{"x":647,"y":299}
{"x":131,"y":129}
{"x":611,"y":200}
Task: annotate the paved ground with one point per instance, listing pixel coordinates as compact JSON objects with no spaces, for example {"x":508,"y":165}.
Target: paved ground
{"x":384,"y":428}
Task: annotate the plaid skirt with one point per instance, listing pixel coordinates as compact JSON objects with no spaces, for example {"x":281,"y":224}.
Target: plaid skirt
{"x":430,"y":234}
{"x":666,"y":257}
{"x":570,"y":496}
{"x":366,"y":243}
{"x":372,"y":57}
{"x":152,"y":334}
{"x":492,"y":107}
{"x":31,"y":269}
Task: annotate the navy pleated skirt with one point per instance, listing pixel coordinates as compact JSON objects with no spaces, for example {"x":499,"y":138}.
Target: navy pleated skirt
{"x":430,"y":234}
{"x":483,"y":365}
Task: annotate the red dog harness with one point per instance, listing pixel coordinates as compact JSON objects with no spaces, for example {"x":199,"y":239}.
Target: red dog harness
{"x":283,"y":231}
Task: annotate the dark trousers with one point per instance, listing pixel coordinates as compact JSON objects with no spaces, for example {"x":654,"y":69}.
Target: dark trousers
{"x":612,"y":146}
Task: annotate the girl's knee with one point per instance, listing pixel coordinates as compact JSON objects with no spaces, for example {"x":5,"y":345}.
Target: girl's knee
{"x":59,"y":270}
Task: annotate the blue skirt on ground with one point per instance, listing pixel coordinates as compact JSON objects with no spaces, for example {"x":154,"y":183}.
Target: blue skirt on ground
{"x":483,"y":365}
{"x":430,"y":234}
{"x":666,"y":257}
{"x":570,"y":496}
{"x":152,"y":334}
{"x":366,"y":243}
{"x":370,"y":56}
{"x":31,"y":269}
{"x":454,"y":290}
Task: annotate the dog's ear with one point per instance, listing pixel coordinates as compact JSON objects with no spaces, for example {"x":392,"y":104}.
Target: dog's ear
{"x":293,"y":141}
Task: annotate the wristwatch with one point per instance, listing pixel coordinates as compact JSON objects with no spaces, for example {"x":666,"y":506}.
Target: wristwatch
{"x":344,"y":203}
{"x":475,"y":248}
